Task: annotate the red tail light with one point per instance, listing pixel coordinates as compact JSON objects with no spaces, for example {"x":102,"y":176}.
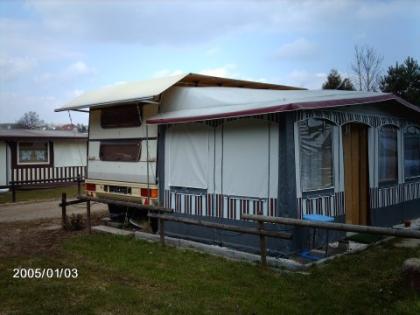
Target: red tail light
{"x":152,"y":193}
{"x":90,"y":187}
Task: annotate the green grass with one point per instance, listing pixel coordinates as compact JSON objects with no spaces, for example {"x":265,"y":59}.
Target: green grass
{"x":365,"y":238}
{"x":39,"y":194}
{"x":126,"y":276}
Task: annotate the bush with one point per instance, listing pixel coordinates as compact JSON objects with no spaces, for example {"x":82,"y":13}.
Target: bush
{"x":75,"y":222}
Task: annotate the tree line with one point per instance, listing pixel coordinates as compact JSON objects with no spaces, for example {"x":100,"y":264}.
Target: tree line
{"x":401,"y":79}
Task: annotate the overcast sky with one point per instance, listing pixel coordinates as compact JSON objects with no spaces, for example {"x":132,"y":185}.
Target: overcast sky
{"x":52,"y":51}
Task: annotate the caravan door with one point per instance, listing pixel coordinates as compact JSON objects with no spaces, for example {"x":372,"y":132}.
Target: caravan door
{"x":356,"y":178}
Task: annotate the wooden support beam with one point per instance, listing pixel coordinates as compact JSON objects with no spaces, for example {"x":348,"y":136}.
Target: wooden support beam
{"x":263,"y":245}
{"x":335,"y":226}
{"x":162,"y":231}
{"x":88,"y":221}
{"x":63,"y":205}
{"x":220,"y":226}
{"x":126,"y":204}
{"x":13,"y":192}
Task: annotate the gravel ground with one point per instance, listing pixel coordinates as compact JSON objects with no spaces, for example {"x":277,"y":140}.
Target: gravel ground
{"x":29,"y":211}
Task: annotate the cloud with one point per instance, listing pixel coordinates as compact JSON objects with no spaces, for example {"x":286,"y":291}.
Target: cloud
{"x":12,"y":67}
{"x":227,"y":71}
{"x":78,"y":68}
{"x":305,"y":79}
{"x":299,"y":49}
{"x":166,"y":73}
{"x":73,"y":71}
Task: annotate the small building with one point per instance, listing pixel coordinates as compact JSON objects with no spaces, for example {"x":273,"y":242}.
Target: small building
{"x":215,"y":148}
{"x":30,"y":157}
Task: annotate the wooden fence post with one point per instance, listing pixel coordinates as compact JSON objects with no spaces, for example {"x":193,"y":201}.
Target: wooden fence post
{"x":263,"y":245}
{"x":13,"y":192}
{"x":162,"y":231}
{"x":79,"y":180}
{"x":89,"y":226}
{"x":64,"y":210}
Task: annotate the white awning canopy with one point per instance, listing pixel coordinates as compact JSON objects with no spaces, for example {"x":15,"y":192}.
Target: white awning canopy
{"x":185,"y":104}
{"x":126,"y":92}
{"x":148,"y":89}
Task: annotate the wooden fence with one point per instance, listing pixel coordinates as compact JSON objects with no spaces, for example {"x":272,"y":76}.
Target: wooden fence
{"x":32,"y":177}
{"x":46,"y":175}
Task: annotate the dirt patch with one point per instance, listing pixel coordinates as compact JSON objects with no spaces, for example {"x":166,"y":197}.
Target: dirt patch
{"x":36,"y":237}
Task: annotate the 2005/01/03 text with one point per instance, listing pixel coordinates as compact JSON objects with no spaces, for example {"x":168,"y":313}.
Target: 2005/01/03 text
{"x":45,"y":273}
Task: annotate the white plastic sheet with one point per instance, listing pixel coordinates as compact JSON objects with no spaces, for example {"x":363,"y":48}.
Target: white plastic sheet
{"x":188,"y":156}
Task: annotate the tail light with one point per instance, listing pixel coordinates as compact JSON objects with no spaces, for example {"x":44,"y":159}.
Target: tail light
{"x":152,"y":193}
{"x":90,"y":187}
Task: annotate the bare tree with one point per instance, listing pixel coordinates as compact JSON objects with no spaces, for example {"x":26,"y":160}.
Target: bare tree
{"x":367,"y":68}
{"x":30,"y":120}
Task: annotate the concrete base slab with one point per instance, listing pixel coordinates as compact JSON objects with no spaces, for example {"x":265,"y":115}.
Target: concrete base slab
{"x":408,"y":243}
{"x":111,"y":230}
{"x":221,"y":251}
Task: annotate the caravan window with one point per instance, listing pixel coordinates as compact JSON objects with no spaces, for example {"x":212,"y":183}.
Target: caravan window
{"x":120,"y":151}
{"x":316,"y":156}
{"x":412,"y":152}
{"x":33,"y":153}
{"x":121,"y":116}
{"x":388,"y":155}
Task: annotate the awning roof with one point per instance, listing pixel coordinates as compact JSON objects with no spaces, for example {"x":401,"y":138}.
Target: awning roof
{"x":148,"y":89}
{"x":40,"y":134}
{"x":186,"y":104}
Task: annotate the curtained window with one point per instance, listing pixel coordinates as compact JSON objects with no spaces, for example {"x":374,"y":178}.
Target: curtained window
{"x":412,"y":152}
{"x":388,"y":155}
{"x":33,"y":153}
{"x":316,"y":154}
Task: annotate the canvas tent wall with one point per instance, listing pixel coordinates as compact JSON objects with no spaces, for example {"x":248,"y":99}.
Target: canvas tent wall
{"x":3,"y":163}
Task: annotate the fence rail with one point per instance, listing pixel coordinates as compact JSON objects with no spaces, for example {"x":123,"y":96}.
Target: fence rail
{"x":46,"y":175}
{"x":260,"y":230}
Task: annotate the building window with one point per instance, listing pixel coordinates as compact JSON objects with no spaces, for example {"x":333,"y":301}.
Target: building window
{"x":121,"y":116}
{"x":33,"y":153}
{"x":316,"y":155}
{"x":388,"y":155}
{"x":412,"y":152}
{"x":120,"y":151}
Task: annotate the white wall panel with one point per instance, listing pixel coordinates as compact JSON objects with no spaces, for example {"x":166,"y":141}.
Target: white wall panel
{"x":69,"y":153}
{"x":188,"y":156}
{"x":245,"y":158}
{"x":3,"y":163}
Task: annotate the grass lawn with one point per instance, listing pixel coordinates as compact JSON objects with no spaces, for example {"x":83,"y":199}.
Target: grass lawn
{"x":118,"y":275}
{"x":39,"y":194}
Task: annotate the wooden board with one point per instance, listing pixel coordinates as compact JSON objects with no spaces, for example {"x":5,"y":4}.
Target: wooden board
{"x":355,"y":145}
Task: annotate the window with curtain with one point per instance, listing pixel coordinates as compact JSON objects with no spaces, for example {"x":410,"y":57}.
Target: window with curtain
{"x":33,"y":153}
{"x":316,"y":155}
{"x":388,"y":155}
{"x":412,"y":152}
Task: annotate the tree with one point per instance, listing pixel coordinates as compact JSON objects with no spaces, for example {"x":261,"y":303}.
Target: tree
{"x":335,"y":82}
{"x":403,"y":80}
{"x":82,"y":128}
{"x":367,"y":68}
{"x":30,"y":120}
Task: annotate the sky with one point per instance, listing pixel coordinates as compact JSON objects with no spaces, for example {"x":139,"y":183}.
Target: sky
{"x":53,"y":51}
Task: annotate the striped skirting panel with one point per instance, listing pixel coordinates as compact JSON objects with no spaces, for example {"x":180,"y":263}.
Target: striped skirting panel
{"x":389,"y":196}
{"x":217,"y":205}
{"x":39,"y":175}
{"x":331,"y":205}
